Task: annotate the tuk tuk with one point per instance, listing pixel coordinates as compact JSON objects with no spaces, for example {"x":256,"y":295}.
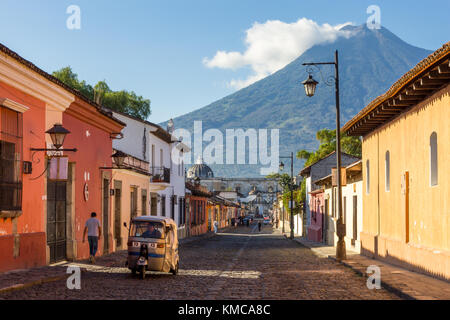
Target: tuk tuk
{"x":152,"y":245}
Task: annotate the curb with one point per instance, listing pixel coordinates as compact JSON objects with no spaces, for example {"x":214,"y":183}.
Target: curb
{"x":31,"y":284}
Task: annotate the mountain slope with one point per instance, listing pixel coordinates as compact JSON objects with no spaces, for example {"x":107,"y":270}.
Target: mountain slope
{"x":370,"y":61}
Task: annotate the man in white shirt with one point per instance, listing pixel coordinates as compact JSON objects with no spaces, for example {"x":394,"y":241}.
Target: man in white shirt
{"x":94,"y":232}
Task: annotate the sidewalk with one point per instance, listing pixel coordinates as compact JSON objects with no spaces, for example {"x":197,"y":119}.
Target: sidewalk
{"x":406,"y":284}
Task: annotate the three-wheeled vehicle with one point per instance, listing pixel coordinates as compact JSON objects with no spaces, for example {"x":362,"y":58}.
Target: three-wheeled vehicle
{"x":152,"y":245}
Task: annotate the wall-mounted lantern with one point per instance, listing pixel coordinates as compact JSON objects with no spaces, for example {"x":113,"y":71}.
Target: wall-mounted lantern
{"x":119,"y":158}
{"x":58,"y":133}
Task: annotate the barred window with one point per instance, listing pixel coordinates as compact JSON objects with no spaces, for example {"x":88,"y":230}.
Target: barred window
{"x":10,"y":160}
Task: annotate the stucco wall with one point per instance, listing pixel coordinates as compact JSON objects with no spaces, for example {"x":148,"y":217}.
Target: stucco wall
{"x":407,"y":138}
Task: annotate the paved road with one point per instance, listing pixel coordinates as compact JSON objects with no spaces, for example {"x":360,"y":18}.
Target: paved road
{"x":241,"y":264}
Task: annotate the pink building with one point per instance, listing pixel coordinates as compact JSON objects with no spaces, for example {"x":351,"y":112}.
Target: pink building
{"x":315,"y":229}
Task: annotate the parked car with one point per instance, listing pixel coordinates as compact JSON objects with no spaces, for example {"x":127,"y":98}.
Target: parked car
{"x":266,"y":220}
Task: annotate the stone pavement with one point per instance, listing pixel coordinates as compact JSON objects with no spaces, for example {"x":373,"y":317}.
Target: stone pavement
{"x":404,"y":283}
{"x":24,"y":278}
{"x":236,"y":264}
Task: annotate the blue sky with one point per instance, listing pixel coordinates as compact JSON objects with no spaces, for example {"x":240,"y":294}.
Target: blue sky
{"x":157,"y":48}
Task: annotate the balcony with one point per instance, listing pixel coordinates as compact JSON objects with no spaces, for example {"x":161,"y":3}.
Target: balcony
{"x":160,"y":178}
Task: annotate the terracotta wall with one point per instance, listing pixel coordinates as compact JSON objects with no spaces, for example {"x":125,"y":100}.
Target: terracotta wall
{"x":94,"y":151}
{"x":31,"y":224}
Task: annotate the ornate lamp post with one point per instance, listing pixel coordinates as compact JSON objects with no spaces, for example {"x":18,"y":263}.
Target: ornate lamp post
{"x":310,"y":88}
{"x":291,"y":188}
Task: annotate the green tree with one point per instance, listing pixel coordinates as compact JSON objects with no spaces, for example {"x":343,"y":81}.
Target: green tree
{"x":283,"y":179}
{"x":68,"y":77}
{"x":121,"y":101}
{"x":327,"y":139}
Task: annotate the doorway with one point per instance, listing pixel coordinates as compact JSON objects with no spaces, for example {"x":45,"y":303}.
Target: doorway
{"x":355,"y":220}
{"x":56,"y":220}
{"x":118,"y":213}
{"x":153,"y":204}
{"x":105,"y":215}
{"x":133,"y":202}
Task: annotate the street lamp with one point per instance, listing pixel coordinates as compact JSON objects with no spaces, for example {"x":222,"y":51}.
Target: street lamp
{"x":57,"y":133}
{"x":119,"y":158}
{"x":291,"y":188}
{"x":310,"y":87}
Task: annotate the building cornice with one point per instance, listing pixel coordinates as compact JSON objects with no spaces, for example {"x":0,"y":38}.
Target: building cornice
{"x":87,"y":113}
{"x":13,"y":105}
{"x":29,"y":81}
{"x":427,"y":77}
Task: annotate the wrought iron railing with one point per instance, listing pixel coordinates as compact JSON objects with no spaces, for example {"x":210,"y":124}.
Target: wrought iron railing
{"x":160,"y":174}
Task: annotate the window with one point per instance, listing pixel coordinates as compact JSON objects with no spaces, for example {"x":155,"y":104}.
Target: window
{"x":345,"y":210}
{"x":161,"y":159}
{"x":367,"y":177}
{"x":433,"y":160}
{"x":333,"y":203}
{"x":144,"y":202}
{"x":387,"y":170}
{"x":10,"y":157}
{"x":152,"y":164}
{"x":163,"y":206}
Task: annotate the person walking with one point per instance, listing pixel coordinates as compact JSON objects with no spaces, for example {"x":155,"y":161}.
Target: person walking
{"x":94,"y":232}
{"x":215,"y":226}
{"x":259,"y":225}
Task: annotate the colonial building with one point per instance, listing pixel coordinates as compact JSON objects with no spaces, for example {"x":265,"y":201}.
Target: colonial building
{"x":46,"y":196}
{"x":130,"y":183}
{"x":405,"y":156}
{"x":324,"y":207}
{"x":262,"y":191}
{"x":198,"y":218}
{"x":316,"y":171}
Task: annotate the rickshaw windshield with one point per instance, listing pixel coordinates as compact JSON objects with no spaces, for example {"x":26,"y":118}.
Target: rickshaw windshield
{"x":147,"y":229}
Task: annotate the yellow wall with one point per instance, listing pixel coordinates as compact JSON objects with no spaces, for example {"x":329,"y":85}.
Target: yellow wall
{"x":407,"y":138}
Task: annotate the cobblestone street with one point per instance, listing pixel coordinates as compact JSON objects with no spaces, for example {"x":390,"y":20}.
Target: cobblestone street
{"x":238,"y":264}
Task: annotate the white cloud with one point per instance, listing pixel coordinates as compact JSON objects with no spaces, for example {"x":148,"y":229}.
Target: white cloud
{"x":272,"y":45}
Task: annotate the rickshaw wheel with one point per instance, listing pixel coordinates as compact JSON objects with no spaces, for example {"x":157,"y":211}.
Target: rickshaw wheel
{"x":142,"y":273}
{"x":175,"y":271}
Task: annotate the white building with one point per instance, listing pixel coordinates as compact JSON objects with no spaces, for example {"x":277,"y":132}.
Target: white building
{"x":318,"y":170}
{"x":352,"y":206}
{"x":163,"y":153}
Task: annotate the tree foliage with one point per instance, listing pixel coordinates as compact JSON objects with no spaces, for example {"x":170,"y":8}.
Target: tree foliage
{"x":327,"y":139}
{"x":122,"y":101}
{"x":283,"y":179}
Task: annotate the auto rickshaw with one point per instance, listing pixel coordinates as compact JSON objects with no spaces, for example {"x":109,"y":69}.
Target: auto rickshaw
{"x":152,"y":245}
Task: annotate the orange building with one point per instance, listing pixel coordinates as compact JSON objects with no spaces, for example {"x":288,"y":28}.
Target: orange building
{"x":197,"y":200}
{"x":41,"y":219}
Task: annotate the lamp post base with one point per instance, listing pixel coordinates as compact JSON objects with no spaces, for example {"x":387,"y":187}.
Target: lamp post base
{"x":340,"y":250}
